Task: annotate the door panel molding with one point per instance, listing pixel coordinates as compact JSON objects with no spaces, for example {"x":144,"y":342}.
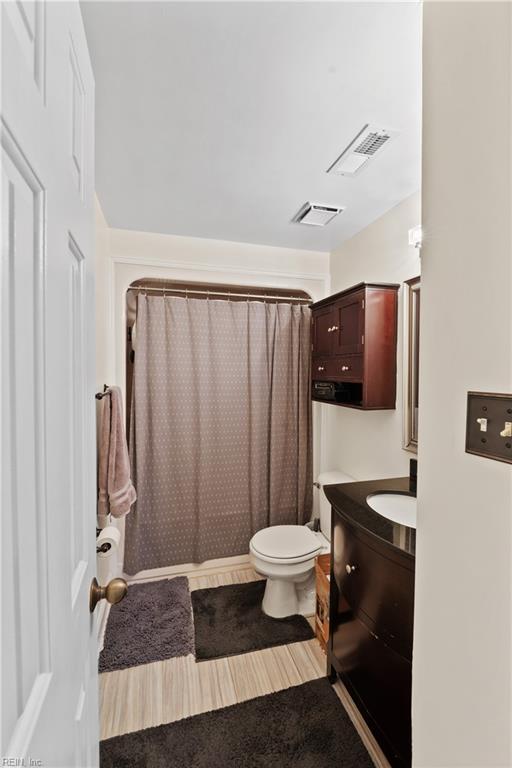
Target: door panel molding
{"x":77,"y":119}
{"x":25,"y":726}
{"x":28,"y":21}
{"x":26,"y":606}
{"x":78,"y":532}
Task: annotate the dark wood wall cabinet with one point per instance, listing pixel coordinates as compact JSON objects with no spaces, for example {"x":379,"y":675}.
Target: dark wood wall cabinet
{"x":371,"y":627}
{"x":354,"y":347}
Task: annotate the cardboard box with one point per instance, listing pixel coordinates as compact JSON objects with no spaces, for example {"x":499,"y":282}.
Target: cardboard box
{"x":322,"y":571}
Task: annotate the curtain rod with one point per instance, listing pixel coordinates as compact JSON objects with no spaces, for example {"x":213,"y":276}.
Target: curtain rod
{"x":186,"y":291}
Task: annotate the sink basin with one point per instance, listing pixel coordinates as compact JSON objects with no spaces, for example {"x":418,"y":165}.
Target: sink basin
{"x":395,"y":507}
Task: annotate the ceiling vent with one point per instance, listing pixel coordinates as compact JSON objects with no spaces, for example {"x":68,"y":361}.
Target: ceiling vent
{"x":364,"y":147}
{"x":316,"y":215}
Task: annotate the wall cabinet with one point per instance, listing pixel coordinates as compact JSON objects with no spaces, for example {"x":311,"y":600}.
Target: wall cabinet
{"x":354,"y":347}
{"x":371,"y":626}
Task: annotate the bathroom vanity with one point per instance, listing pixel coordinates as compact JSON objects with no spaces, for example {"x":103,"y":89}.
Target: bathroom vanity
{"x":371,"y":611}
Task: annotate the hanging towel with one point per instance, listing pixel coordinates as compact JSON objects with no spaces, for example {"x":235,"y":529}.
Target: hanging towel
{"x":116,"y":493}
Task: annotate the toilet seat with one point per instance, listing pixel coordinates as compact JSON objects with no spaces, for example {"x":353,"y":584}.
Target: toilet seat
{"x":285,"y":544}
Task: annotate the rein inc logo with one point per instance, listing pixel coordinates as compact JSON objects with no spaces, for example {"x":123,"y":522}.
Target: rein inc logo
{"x":21,"y":762}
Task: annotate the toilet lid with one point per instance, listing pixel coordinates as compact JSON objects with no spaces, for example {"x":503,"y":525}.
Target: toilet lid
{"x":284,"y":542}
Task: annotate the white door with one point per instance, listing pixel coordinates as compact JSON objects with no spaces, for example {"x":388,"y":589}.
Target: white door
{"x":49,"y":654}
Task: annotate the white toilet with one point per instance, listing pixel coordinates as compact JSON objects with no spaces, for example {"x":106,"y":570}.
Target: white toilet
{"x":285,"y":554}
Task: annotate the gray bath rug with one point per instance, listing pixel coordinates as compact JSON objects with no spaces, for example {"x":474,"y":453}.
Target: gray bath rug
{"x":229,"y":620}
{"x":152,"y":623}
{"x":300,"y":727}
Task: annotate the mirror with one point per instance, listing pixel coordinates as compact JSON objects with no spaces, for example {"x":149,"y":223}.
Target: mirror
{"x":412,"y":290}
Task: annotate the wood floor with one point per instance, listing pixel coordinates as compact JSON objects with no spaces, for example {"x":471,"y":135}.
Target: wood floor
{"x":165,"y":691}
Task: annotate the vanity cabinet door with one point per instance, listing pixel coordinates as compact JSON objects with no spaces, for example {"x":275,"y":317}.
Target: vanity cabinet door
{"x":378,"y":589}
{"x":349,"y":325}
{"x":379,"y":680}
{"x":323,"y":323}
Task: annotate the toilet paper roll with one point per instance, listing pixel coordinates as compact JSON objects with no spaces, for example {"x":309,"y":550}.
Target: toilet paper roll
{"x":109,"y":535}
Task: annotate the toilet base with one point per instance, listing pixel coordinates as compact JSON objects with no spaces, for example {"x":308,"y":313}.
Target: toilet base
{"x":286,"y":598}
{"x":306,"y":594}
{"x":280,"y":599}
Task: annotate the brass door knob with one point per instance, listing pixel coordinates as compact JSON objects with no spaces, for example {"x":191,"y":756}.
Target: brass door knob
{"x":114,"y":592}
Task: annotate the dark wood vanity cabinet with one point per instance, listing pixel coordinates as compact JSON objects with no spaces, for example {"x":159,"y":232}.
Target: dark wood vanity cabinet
{"x":354,"y":347}
{"x":371,"y":625}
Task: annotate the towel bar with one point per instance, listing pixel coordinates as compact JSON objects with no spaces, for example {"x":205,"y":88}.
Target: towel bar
{"x":106,"y":391}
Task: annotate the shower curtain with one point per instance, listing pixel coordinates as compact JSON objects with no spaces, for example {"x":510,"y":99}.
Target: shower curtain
{"x":220,"y":434}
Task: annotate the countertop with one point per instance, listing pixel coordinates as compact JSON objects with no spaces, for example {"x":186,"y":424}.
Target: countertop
{"x":349,"y":499}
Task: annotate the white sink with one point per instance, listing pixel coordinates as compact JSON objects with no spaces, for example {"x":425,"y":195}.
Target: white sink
{"x":395,"y":507}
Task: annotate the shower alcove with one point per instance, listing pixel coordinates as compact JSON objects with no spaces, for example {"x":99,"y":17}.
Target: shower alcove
{"x":218,"y":416}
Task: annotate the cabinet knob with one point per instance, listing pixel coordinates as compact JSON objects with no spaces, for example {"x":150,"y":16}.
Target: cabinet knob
{"x":335,"y":328}
{"x":345,"y":367}
{"x":321,"y":368}
{"x":350,"y":568}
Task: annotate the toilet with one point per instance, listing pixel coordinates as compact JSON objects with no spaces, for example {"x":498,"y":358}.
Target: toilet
{"x":285,"y":555}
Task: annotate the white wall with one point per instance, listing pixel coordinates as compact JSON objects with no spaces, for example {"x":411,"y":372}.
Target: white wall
{"x":462,"y":642}
{"x":102,"y":268}
{"x":368,"y":445}
{"x":106,"y":567}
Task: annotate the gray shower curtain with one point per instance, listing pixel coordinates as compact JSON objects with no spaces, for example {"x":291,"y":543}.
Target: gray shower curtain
{"x":220,"y":437}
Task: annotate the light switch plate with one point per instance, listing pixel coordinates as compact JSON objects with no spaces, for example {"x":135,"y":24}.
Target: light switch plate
{"x":487,"y":417}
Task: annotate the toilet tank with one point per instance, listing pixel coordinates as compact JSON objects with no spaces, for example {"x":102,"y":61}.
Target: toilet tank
{"x":329,"y":478}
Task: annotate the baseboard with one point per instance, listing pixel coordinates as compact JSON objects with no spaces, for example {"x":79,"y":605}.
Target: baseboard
{"x":104,"y":610}
{"x":192,"y":569}
{"x":374,"y":750}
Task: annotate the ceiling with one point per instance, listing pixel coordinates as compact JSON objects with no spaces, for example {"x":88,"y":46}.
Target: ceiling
{"x":219,"y":119}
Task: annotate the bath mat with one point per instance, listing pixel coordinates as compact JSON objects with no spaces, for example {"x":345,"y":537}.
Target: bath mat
{"x":300,"y":727}
{"x":229,"y":620}
{"x":152,"y":623}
